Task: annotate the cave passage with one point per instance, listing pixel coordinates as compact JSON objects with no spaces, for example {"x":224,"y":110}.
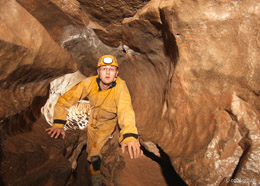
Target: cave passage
{"x":192,"y":70}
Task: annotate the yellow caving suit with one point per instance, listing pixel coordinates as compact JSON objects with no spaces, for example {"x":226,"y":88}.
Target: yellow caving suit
{"x":108,"y":107}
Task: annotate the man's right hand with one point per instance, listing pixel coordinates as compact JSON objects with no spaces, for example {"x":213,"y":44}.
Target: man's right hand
{"x":56,"y":132}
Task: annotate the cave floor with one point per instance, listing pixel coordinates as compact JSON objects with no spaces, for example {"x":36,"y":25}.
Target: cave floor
{"x":142,"y":171}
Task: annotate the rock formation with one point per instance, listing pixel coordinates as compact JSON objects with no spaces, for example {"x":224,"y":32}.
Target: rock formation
{"x":191,"y":67}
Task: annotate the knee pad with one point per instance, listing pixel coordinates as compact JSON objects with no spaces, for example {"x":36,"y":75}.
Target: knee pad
{"x":95,"y":161}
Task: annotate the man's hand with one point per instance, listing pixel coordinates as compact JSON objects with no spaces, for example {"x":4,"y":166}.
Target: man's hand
{"x":133,"y":149}
{"x":56,"y":132}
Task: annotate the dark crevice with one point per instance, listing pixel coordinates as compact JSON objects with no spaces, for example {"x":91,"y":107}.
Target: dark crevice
{"x":256,"y":93}
{"x":1,"y":154}
{"x":245,"y":144}
{"x":171,"y":50}
{"x":170,"y":45}
{"x":240,"y":97}
{"x":81,"y":175}
{"x":233,"y":117}
{"x":27,"y":74}
{"x":170,"y":176}
{"x":23,"y":121}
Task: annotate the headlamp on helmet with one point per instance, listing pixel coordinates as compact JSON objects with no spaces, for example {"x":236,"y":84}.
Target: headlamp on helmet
{"x":107,"y":60}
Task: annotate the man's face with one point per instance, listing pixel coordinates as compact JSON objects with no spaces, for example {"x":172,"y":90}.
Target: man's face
{"x":107,"y":74}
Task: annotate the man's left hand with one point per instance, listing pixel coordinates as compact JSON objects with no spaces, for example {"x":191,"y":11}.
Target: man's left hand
{"x":133,"y":149}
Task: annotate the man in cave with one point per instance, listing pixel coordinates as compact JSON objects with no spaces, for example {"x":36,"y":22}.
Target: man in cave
{"x":110,"y":104}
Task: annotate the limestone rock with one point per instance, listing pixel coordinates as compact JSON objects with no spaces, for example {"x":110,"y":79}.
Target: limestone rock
{"x":29,"y":59}
{"x":109,"y":14}
{"x":215,"y":60}
{"x":248,"y":119}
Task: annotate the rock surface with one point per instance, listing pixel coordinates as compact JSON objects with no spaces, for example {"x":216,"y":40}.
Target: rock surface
{"x":30,"y":59}
{"x":192,"y":68}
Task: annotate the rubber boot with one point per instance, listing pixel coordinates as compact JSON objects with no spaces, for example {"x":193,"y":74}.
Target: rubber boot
{"x":96,"y":176}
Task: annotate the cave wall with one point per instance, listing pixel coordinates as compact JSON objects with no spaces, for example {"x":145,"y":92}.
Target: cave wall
{"x":218,"y":49}
{"x":191,"y":67}
{"x":29,"y":59}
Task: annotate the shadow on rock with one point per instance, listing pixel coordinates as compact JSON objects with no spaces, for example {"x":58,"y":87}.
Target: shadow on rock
{"x":171,"y":177}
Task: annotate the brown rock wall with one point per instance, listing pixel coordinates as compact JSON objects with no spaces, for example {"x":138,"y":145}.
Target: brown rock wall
{"x":215,"y":60}
{"x":29,"y":59}
{"x":248,"y":120}
{"x":50,"y":16}
{"x":109,"y":15}
{"x":33,"y":158}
